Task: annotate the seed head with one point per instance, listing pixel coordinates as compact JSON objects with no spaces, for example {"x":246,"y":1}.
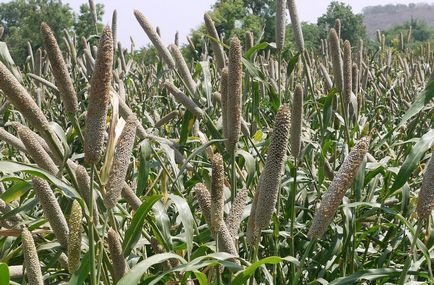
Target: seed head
{"x":219,"y":53}
{"x":60,"y":70}
{"x":233,"y":221}
{"x":74,"y":239}
{"x":36,"y":151}
{"x":217,"y":192}
{"x":280,"y":23}
{"x":52,"y":210}
{"x":155,"y":39}
{"x":20,"y":98}
{"x":235,"y":72}
{"x":295,"y":24}
{"x":121,"y":160}
{"x":99,"y":99}
{"x":183,"y":69}
{"x":336,"y":59}
{"x":271,"y":176}
{"x":341,"y":182}
{"x":31,"y":260}
{"x":425,"y":201}
{"x":120,"y":266}
{"x":296,"y":121}
{"x":183,"y":99}
{"x":348,"y":78}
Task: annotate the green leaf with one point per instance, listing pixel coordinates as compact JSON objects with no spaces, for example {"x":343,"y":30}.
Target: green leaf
{"x":135,"y":274}
{"x":82,"y":272}
{"x":370,"y":274}
{"x":413,"y":159}
{"x":244,"y":275}
{"x":4,"y":273}
{"x":144,"y":167}
{"x":134,"y":231}
{"x":187,"y":219}
{"x":12,"y":167}
{"x":424,"y":98}
{"x":19,"y":188}
{"x":250,"y":164}
{"x":291,"y":64}
{"x":256,"y":48}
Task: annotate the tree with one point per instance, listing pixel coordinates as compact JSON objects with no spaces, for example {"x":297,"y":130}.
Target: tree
{"x":84,"y":26}
{"x":352,"y":24}
{"x":311,"y":35}
{"x":420,"y":32}
{"x":235,"y":17}
{"x":22,"y":20}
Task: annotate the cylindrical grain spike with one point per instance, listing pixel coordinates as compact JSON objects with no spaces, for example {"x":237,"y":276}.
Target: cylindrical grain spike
{"x":115,"y":29}
{"x":355,"y":76}
{"x":271,"y":176}
{"x":235,"y":76}
{"x":203,"y":196}
{"x":131,"y":197}
{"x":249,"y":40}
{"x":252,"y":235}
{"x":52,"y":210}
{"x":120,"y":266}
{"x":74,"y":239}
{"x":36,"y":151}
{"x":176,"y":41}
{"x":280,"y":24}
{"x":348,"y":78}
{"x":336,"y":59}
{"x":296,"y":121}
{"x":60,"y":70}
{"x":217,"y":192}
{"x":18,"y":96}
{"x":83,"y":181}
{"x":425,"y":201}
{"x":155,"y":39}
{"x":339,"y":185}
{"x":184,"y":99}
{"x":183,"y":69}
{"x":31,"y":260}
{"x":204,"y":199}
{"x":224,"y":100}
{"x":167,"y":118}
{"x":12,"y":140}
{"x":295,"y":23}
{"x":121,"y":160}
{"x":233,"y":221}
{"x":219,"y":53}
{"x":99,"y":99}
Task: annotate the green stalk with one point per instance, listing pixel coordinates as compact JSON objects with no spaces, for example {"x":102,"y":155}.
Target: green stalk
{"x":234,"y":178}
{"x":411,"y":254}
{"x":293,"y":214}
{"x":296,"y":279}
{"x":93,"y":277}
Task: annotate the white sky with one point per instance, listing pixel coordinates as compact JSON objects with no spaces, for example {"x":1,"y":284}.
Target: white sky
{"x":185,"y":15}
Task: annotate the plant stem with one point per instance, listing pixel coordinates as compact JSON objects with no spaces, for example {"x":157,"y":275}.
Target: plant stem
{"x":309,"y":248}
{"x":234,"y":178}
{"x":411,"y":254}
{"x":293,"y":213}
{"x":93,"y":277}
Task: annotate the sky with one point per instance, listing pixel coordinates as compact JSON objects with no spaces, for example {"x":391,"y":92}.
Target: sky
{"x":184,"y":15}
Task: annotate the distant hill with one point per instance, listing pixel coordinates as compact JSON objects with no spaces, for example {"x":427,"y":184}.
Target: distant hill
{"x":387,"y":16}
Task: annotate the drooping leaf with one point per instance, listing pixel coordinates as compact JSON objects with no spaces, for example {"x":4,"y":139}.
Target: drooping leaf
{"x":134,"y":231}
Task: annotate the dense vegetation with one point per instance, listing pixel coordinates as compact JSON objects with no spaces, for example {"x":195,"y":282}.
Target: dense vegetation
{"x":269,"y":163}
